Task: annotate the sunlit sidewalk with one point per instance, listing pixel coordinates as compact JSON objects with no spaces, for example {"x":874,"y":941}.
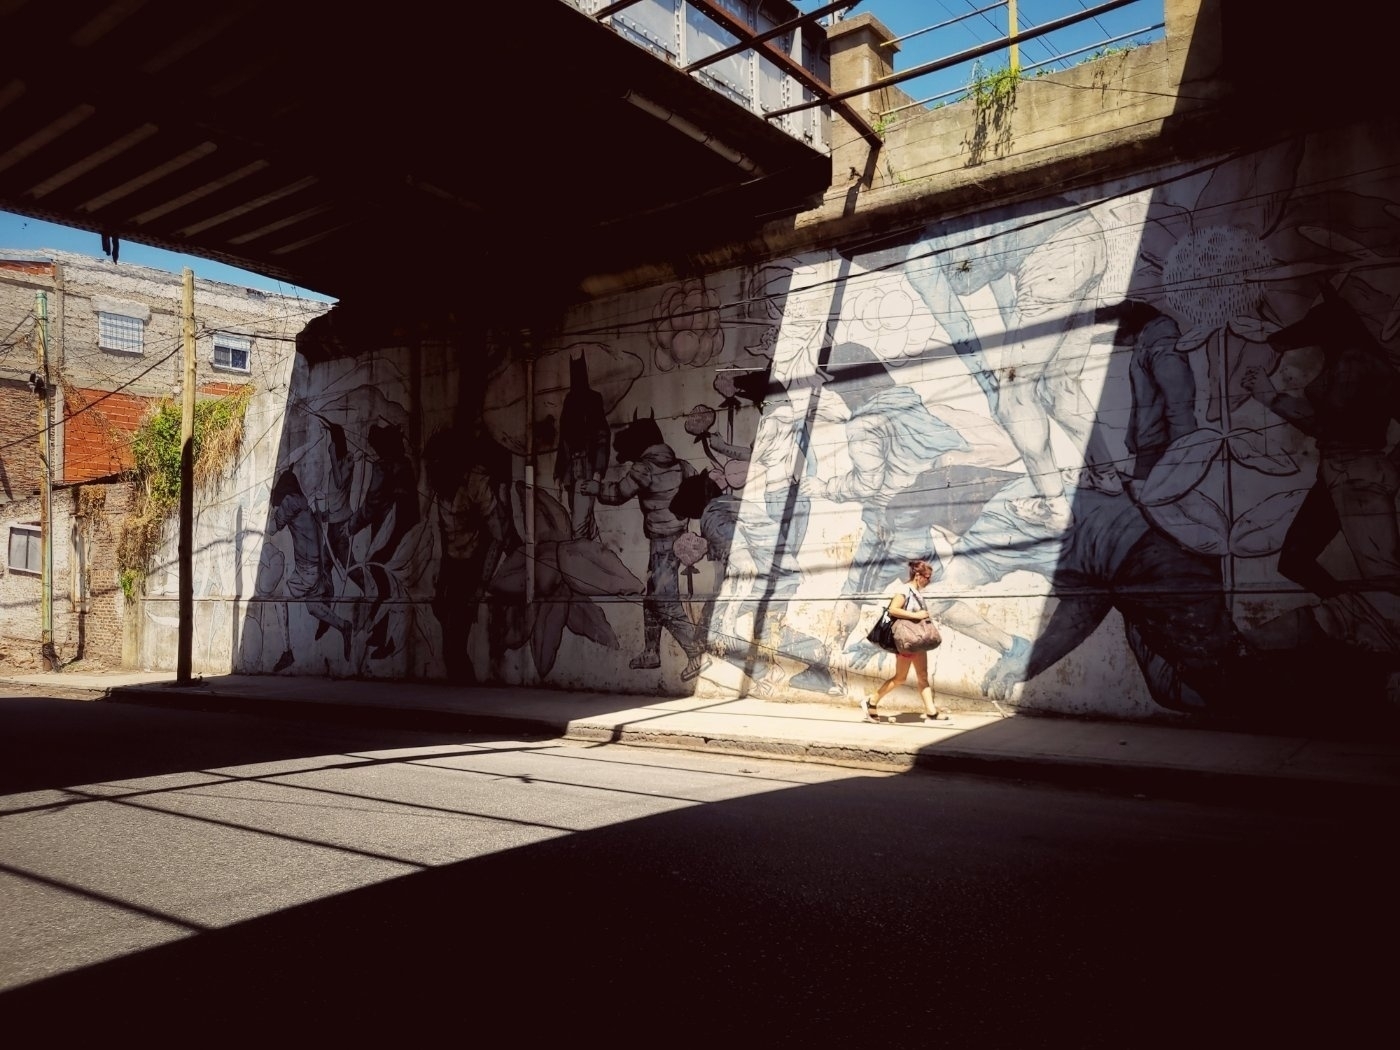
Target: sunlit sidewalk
{"x":1078,"y":751}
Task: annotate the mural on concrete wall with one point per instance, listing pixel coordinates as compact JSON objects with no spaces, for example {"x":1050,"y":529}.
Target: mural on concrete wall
{"x":1146,"y":435}
{"x":1147,"y":432}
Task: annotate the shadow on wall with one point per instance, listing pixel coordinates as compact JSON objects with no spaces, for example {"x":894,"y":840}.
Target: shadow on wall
{"x":1144,"y":437}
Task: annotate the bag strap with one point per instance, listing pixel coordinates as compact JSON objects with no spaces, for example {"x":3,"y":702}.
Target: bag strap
{"x":912,"y":600}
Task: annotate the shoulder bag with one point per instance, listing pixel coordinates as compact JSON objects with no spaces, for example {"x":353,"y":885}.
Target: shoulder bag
{"x":915,"y":636}
{"x":882,"y":634}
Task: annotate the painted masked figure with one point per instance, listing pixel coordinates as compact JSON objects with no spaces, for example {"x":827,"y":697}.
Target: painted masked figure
{"x":652,"y":478}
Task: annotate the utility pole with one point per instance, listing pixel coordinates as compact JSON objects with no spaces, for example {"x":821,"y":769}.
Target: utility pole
{"x":186,"y":552}
{"x":43,"y":386}
{"x":1015,"y":49}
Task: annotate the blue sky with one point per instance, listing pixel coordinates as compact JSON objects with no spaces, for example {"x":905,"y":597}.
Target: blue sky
{"x":21,"y":233}
{"x":903,"y":17}
{"x":986,"y":21}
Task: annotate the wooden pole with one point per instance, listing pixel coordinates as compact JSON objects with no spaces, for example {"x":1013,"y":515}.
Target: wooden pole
{"x":44,"y":386}
{"x":1015,"y":49}
{"x":186,"y":553}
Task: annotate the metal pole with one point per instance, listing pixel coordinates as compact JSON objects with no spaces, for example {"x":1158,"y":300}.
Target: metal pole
{"x":45,"y":391}
{"x":952,"y":60}
{"x":186,"y":553}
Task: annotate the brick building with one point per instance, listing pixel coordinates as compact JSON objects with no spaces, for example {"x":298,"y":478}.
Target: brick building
{"x":114,"y":342}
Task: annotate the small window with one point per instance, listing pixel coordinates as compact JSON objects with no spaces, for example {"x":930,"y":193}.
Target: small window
{"x":120,"y":332}
{"x":25,"y":549}
{"x":232,"y":352}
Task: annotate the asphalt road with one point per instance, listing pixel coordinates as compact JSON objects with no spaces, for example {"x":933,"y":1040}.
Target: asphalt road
{"x":194,"y":876}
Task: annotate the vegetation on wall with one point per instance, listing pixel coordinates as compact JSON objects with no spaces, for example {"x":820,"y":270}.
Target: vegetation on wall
{"x":994,"y":94}
{"x":155,"y":447}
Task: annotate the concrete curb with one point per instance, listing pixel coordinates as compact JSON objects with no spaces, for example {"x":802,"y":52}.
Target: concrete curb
{"x":1144,"y":776}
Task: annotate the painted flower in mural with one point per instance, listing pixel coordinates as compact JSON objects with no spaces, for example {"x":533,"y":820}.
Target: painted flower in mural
{"x":685,"y":327}
{"x":1184,"y":494}
{"x":690,"y":548}
{"x":880,"y":314}
{"x":700,"y":421}
{"x":1224,"y":264}
{"x":569,"y":574}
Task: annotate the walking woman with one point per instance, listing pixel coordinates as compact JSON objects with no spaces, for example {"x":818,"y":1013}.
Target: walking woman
{"x":908,"y":604}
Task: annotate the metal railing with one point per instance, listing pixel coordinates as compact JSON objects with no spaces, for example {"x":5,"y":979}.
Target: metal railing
{"x":775,"y":60}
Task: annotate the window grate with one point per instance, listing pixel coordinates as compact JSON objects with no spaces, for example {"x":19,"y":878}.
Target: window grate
{"x":120,"y":332}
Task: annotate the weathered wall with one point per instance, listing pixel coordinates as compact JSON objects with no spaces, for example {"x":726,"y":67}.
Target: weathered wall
{"x":101,"y":396}
{"x":1144,"y":431}
{"x":20,"y":279}
{"x":1143,"y":427}
{"x":89,"y":610}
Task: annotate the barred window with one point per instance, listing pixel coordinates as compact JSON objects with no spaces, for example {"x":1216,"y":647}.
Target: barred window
{"x":25,"y":548}
{"x":232,"y":352}
{"x":120,"y":332}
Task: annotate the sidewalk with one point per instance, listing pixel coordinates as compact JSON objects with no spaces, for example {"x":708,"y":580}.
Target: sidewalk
{"x":1121,"y":756}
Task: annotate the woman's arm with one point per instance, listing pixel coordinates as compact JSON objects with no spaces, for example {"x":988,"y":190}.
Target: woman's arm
{"x":899,"y":612}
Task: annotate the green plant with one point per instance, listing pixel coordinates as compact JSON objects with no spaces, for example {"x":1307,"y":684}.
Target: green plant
{"x":156,"y":453}
{"x":994,"y":90}
{"x":1104,"y":52}
{"x":994,"y":95}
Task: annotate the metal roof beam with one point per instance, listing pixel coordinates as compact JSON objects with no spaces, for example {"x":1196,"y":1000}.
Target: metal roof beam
{"x":796,"y":70}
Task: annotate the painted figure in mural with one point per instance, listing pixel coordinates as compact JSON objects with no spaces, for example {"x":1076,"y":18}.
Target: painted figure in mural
{"x":1160,"y":377}
{"x":756,"y":547}
{"x":392,"y":489}
{"x":583,"y":447}
{"x":913,"y":473}
{"x":716,"y":513}
{"x":338,"y":509}
{"x":1347,"y":407}
{"x":653,"y":477}
{"x":1175,"y":618}
{"x":469,"y":478}
{"x":391,"y":493}
{"x":770,"y":532}
{"x":907,"y":603}
{"x":892,"y":441}
{"x":309,"y":581}
{"x":1044,"y":274}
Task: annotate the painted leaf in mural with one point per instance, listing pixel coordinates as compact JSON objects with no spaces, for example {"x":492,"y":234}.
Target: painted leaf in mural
{"x":1260,"y":530}
{"x":589,"y":568}
{"x":413,"y":564}
{"x":587,"y":620}
{"x":382,"y":531}
{"x":509,"y":581}
{"x":1253,"y":329}
{"x":517,"y":624}
{"x":1181,"y":468}
{"x":551,"y":519}
{"x":1195,"y":521}
{"x":551,"y":616}
{"x":1247,"y":448}
{"x":547,"y":576}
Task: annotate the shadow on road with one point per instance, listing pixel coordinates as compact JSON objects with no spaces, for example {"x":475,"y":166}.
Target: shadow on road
{"x":860,"y":909}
